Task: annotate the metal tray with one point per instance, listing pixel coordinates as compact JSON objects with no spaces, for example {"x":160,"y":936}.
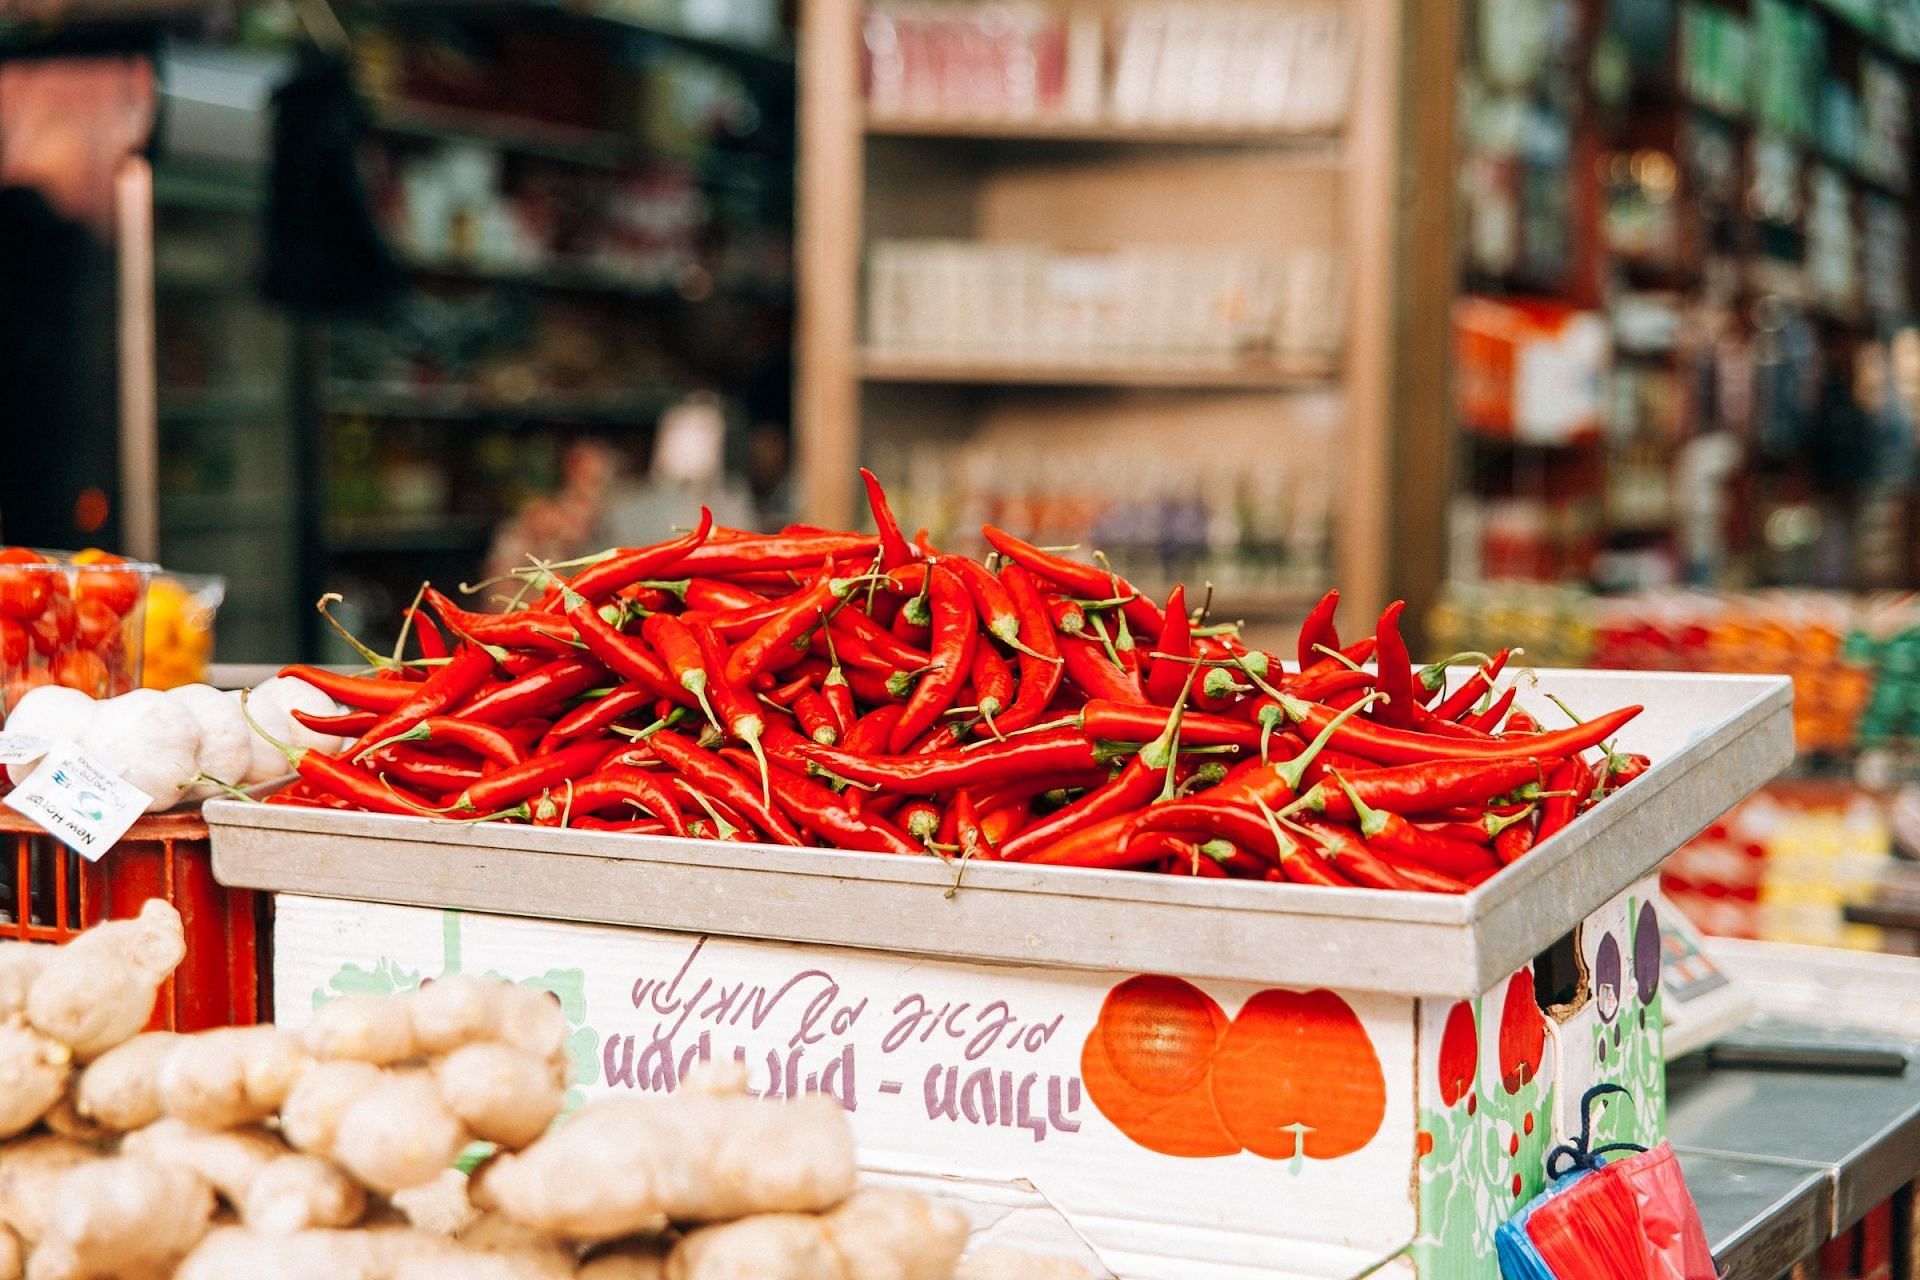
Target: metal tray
{"x":1714,"y":740}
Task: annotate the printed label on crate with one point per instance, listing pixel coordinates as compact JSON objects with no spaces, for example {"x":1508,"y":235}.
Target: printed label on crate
{"x":1252,"y":1130}
{"x":79,"y":801}
{"x":21,"y":748}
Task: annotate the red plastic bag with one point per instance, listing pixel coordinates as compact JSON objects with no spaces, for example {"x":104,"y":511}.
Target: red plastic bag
{"x":1676,"y":1246}
{"x":1591,"y":1231}
{"x":1632,"y":1219}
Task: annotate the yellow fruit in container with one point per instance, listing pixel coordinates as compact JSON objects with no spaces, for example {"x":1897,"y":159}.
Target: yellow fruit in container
{"x":179,"y":630}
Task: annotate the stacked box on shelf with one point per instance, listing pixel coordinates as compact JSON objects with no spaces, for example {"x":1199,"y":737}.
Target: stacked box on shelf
{"x":1123,"y":1045}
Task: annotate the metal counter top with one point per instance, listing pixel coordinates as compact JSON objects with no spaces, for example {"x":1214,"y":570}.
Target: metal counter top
{"x":1782,"y":1161}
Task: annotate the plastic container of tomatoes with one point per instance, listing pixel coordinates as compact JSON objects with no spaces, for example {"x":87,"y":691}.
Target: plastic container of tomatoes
{"x":75,"y":619}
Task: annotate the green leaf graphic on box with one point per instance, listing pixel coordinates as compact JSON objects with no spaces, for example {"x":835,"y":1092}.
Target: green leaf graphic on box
{"x":384,"y":979}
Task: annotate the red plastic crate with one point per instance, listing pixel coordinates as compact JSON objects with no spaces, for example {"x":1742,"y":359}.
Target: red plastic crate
{"x":48,"y":893}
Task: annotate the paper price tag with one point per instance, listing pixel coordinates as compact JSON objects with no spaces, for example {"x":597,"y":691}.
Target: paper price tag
{"x":78,"y":801}
{"x":21,"y":748}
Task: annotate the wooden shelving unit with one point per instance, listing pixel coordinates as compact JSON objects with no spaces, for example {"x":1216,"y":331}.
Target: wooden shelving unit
{"x":1108,"y":186}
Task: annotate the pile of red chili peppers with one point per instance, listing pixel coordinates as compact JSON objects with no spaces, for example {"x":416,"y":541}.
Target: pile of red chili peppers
{"x":866,"y":692}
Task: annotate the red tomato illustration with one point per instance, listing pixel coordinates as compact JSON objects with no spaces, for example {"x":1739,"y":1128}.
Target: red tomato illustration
{"x":1297,"y":1074}
{"x":1147,"y":1063}
{"x":1459,"y":1054}
{"x":1523,"y":1033}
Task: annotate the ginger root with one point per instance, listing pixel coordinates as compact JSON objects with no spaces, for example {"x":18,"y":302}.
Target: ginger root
{"x":230,"y":1077}
{"x":628,"y":1260}
{"x":362,"y":1028}
{"x":876,"y":1235}
{"x":311,"y":1114}
{"x":625,"y":1165}
{"x":503,"y":1093}
{"x":98,"y":990}
{"x":29,"y":1171}
{"x":121,"y":1218}
{"x":398,"y":1134}
{"x":20,"y":964}
{"x":33,"y":1076}
{"x":121,"y":1088}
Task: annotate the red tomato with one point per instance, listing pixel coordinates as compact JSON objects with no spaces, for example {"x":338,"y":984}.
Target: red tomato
{"x":25,"y":682}
{"x":23,"y":592}
{"x":96,"y":623}
{"x":13,"y":644}
{"x":53,"y":629}
{"x":79,"y":669}
{"x":119,"y":589}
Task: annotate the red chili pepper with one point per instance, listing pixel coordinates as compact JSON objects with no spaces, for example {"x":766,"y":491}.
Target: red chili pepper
{"x":1107,"y":721}
{"x":1513,"y":843}
{"x":364,"y":693}
{"x":870,"y":734}
{"x":1318,"y":631}
{"x":446,"y":689}
{"x":816,"y":717}
{"x":1134,"y":786}
{"x":1068,"y":618}
{"x":1425,"y":721}
{"x":752,"y":556}
{"x":674,"y":641}
{"x":623,"y":568}
{"x":1485,"y":721}
{"x":1389,"y":834}
{"x":1054,"y":751}
{"x":1325,"y":681}
{"x":992,"y":684}
{"x":349,"y":724}
{"x":737,"y":710}
{"x":635,"y":827}
{"x":839,"y":697}
{"x":956,"y":635}
{"x":1568,"y":786}
{"x":365,"y":791}
{"x":1089,"y":668}
{"x":1040,"y":665}
{"x":621,"y":786}
{"x":1351,"y":857}
{"x":627,"y":656}
{"x":998,"y":614}
{"x":818,"y":810}
{"x":1098,"y":846}
{"x":434,"y":775}
{"x":432,"y":644}
{"x":1461,"y":700}
{"x":1429,"y":787}
{"x":483,"y":740}
{"x":1166,"y":672}
{"x":537,"y":693}
{"x":696,"y":799}
{"x":885,"y":646}
{"x":1622,"y":769}
{"x":712,"y":773}
{"x":894,"y":550}
{"x":1522,"y":722}
{"x":597,"y":715}
{"x":532,"y":776}
{"x":797,"y":615}
{"x":1399,"y":746}
{"x":968,"y":831}
{"x":920,"y":819}
{"x":520,"y":629}
{"x":1393,"y":669}
{"x":1086,"y":580}
{"x":714,"y":595}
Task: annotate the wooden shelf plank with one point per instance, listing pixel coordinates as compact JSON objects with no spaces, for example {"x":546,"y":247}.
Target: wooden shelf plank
{"x":1318,"y":145}
{"x":877,"y":367}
